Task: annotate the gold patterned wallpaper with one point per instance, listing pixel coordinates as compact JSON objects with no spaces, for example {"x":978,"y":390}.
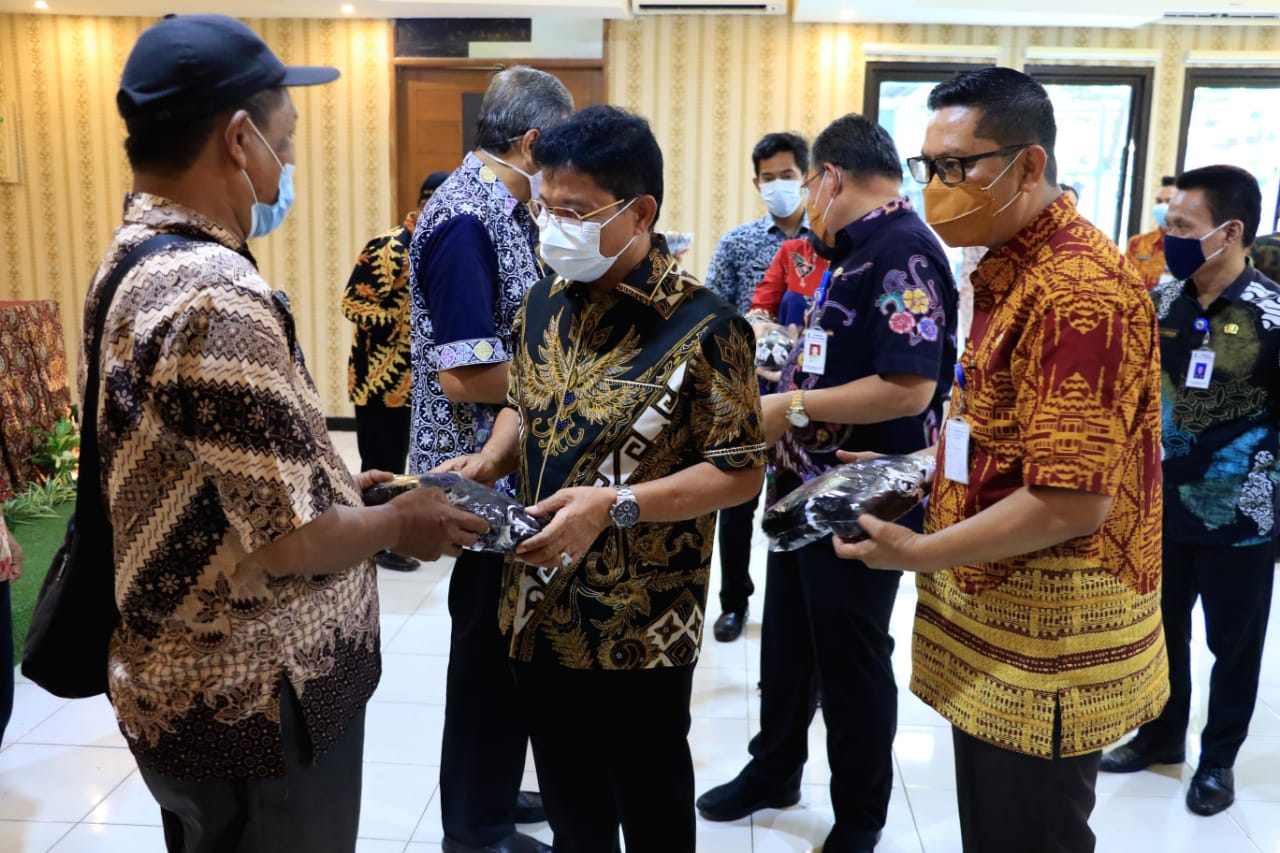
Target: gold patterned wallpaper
{"x":710,"y":85}
{"x":60,"y":73}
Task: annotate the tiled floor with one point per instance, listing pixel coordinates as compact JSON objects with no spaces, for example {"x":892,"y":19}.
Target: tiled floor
{"x":68,"y":784}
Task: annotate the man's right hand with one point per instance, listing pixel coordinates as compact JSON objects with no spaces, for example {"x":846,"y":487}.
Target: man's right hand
{"x":473,"y":466}
{"x":430,"y":526}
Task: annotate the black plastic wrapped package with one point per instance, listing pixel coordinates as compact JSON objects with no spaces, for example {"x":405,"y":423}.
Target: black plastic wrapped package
{"x":887,"y":487}
{"x":509,"y":524}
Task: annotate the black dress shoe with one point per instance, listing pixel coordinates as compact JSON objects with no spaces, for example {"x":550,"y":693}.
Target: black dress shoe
{"x":395,"y":562}
{"x":739,"y":798}
{"x":1134,"y":756}
{"x":529,"y":807}
{"x":1212,"y":790}
{"x":730,"y":624}
{"x":515,"y":843}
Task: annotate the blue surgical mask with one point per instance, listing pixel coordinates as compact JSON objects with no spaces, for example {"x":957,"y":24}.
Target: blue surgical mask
{"x":1159,"y":212}
{"x":265,"y":218}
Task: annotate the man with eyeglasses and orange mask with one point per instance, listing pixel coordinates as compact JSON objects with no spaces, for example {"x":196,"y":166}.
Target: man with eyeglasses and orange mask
{"x":869,"y":373}
{"x":1037,"y":631}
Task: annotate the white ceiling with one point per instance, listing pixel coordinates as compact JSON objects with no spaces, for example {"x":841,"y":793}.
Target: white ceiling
{"x":1095,"y":13}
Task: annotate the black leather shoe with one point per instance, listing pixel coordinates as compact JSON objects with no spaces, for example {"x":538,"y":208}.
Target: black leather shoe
{"x":730,"y":624}
{"x":1133,"y":757}
{"x":529,"y":807}
{"x":395,"y":562}
{"x":515,"y":843}
{"x":739,"y":798}
{"x":841,"y":840}
{"x":1212,"y":790}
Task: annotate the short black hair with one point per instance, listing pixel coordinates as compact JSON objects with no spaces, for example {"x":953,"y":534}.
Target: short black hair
{"x":1069,"y":188}
{"x":171,"y":147}
{"x":1231,"y":193}
{"x":431,"y":184}
{"x":858,"y":145}
{"x":776,"y":143}
{"x":1168,"y":181}
{"x":615,"y":147}
{"x":1016,"y":110}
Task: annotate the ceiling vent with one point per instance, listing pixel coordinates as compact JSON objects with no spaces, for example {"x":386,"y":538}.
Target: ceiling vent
{"x":1220,"y":18}
{"x":708,"y":7}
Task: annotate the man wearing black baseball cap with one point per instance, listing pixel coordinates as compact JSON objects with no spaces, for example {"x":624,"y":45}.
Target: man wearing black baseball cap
{"x":247,"y":647}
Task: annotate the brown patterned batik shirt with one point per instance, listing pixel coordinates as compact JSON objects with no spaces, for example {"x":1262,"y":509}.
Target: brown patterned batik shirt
{"x":1062,"y":390}
{"x":214,"y":445}
{"x":654,"y":377}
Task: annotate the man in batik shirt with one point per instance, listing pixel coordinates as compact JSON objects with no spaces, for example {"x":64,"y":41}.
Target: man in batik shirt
{"x":378,"y":377}
{"x":1145,"y":251}
{"x":887,"y":317}
{"x":471,"y":261}
{"x":633,"y":416}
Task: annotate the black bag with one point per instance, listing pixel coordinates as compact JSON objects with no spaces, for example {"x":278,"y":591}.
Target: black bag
{"x":75,"y":614}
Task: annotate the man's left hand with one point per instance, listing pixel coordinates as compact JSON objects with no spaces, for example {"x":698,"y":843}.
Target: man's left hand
{"x":372,"y":477}
{"x":774,"y":407}
{"x":581,"y":513}
{"x":888,"y":546}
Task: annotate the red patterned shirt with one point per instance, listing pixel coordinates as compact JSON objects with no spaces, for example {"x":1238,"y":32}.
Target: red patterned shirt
{"x":1062,"y":389}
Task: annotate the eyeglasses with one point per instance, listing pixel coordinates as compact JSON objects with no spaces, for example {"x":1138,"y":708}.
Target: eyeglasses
{"x":540,"y":209}
{"x":951,"y":170}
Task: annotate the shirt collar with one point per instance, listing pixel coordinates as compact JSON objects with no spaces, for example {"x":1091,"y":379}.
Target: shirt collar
{"x":1233,"y":291}
{"x":161,"y":214}
{"x":856,"y":234}
{"x":1000,"y":268}
{"x":658,"y":281}
{"x":771,"y":226}
{"x":488,"y":180}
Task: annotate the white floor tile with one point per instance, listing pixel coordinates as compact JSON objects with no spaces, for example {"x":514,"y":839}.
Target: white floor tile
{"x":377,"y":845}
{"x":80,"y":722}
{"x":403,"y":733}
{"x":30,"y":836}
{"x":412,"y":678}
{"x":58,"y":783}
{"x":925,"y":756}
{"x":399,"y":594}
{"x":129,"y":803}
{"x":1125,"y":824}
{"x":936,"y":817}
{"x":110,"y":838}
{"x":422,"y":634}
{"x":32,"y":705}
{"x":1259,"y":821}
{"x":394,"y":799}
{"x":720,"y":693}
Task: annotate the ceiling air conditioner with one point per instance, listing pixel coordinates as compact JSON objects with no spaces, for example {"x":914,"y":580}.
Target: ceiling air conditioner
{"x":708,"y":7}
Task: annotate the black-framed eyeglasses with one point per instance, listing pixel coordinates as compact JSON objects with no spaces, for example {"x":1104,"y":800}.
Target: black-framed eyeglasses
{"x":951,"y":170}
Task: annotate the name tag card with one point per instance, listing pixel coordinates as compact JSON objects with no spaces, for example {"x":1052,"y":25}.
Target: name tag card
{"x":1200,"y":370}
{"x":956,"y":451}
{"x":815,"y":351}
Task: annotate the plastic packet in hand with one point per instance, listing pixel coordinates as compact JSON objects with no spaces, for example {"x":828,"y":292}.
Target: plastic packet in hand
{"x":773,"y":347}
{"x":509,"y":524}
{"x":887,"y":487}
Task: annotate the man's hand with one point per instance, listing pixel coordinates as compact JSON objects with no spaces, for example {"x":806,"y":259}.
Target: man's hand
{"x":581,"y":514}
{"x":430,"y":526}
{"x":774,"y":408}
{"x":859,"y":456}
{"x":15,"y":553}
{"x":474,"y":466}
{"x":888,"y":546}
{"x":366,"y":479}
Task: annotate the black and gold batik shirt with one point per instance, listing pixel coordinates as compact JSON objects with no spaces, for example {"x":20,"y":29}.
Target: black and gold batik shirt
{"x":377,"y":301}
{"x":652,"y":378}
{"x":214,"y":445}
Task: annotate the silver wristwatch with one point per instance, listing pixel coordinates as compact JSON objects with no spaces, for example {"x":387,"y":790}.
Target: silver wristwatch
{"x":625,"y":512}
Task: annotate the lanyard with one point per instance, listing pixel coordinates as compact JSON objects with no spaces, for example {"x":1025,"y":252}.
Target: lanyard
{"x":1202,"y":325}
{"x":960,"y":383}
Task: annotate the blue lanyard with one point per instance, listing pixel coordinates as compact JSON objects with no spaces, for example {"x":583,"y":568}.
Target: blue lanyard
{"x":819,"y":299}
{"x":1202,"y":325}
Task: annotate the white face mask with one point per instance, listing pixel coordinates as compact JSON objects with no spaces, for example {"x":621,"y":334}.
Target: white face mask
{"x":782,"y":197}
{"x":535,"y":179}
{"x":572,"y":248}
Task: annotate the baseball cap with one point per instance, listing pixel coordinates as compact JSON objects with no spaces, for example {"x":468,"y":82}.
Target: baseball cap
{"x":192,"y":66}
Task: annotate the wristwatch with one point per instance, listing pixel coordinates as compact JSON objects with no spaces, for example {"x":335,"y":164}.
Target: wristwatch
{"x":796,"y":413}
{"x":625,"y":512}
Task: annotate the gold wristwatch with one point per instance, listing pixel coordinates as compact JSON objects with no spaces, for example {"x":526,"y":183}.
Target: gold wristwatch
{"x":795,"y":413}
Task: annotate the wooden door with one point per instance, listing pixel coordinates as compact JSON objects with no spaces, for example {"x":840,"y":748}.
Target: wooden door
{"x":436,"y":108}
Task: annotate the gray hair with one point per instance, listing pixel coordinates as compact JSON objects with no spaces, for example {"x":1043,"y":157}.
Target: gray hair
{"x":520,"y":99}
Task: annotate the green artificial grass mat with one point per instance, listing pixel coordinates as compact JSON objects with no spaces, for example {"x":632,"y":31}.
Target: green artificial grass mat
{"x":39,"y":540}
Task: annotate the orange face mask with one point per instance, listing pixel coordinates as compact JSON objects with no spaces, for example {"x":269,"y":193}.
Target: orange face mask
{"x":818,"y":221}
{"x":957,"y":212}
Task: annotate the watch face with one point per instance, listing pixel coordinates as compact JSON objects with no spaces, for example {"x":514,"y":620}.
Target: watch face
{"x":625,"y":513}
{"x":798,"y":419}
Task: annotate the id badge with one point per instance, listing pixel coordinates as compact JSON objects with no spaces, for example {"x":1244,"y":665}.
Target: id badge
{"x":1200,"y":370}
{"x":815,"y":351}
{"x":956,"y":451}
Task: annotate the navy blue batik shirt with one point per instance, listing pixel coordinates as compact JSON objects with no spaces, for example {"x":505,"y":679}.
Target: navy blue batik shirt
{"x":471,"y":261}
{"x":889,"y":308}
{"x":743,"y":256}
{"x":1220,"y":442}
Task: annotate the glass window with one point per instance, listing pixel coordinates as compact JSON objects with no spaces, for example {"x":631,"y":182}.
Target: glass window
{"x":1229,"y":116}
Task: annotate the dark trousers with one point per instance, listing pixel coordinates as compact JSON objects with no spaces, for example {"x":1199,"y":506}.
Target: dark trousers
{"x":382,"y":436}
{"x":1014,"y":803}
{"x":6,"y":662}
{"x":612,"y":750}
{"x":736,"y":524}
{"x":1234,"y":587}
{"x":313,"y":808}
{"x":482,"y":760}
{"x":826,"y":627}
